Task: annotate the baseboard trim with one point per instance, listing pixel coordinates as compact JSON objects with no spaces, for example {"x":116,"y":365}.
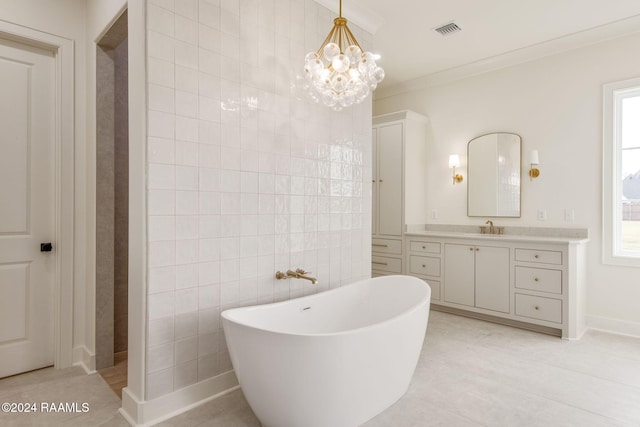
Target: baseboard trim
{"x":85,"y":359}
{"x":501,"y":320}
{"x":147,"y":413}
{"x":614,"y":326}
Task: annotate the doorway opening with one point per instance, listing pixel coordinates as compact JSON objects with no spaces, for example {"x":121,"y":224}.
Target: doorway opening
{"x":112,"y":204}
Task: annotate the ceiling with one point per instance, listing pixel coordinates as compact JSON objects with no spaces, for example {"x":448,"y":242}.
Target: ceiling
{"x":493,"y":32}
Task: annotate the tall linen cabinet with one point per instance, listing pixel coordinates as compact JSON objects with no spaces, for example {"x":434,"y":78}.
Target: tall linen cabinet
{"x":398,"y":186}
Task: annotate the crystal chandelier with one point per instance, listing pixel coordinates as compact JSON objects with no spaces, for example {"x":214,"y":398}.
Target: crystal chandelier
{"x":339,"y":73}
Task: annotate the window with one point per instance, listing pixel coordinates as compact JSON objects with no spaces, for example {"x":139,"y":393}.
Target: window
{"x":621,"y":168}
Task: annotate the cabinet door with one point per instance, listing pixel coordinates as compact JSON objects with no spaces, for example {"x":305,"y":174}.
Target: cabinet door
{"x":374,"y":182}
{"x":459,"y":272}
{"x":389,"y":183}
{"x":492,"y":278}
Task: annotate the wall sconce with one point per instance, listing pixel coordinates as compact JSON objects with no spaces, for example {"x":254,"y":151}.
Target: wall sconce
{"x":454,"y":162}
{"x":535,"y":161}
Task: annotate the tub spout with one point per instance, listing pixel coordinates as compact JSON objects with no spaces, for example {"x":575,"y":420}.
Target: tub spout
{"x":298,"y":274}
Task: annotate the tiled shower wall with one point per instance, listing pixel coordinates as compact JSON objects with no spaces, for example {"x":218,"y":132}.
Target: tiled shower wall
{"x":245,"y":177}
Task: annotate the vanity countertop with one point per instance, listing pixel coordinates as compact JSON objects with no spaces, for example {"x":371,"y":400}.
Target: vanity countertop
{"x":528,"y":234}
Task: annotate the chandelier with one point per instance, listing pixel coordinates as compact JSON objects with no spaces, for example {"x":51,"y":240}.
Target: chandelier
{"x":340,"y":73}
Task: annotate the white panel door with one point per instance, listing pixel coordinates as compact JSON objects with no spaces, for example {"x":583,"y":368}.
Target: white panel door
{"x":27,"y":207}
{"x":459,"y":274}
{"x":390,"y":180}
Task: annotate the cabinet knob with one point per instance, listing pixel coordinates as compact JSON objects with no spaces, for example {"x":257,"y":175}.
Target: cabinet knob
{"x":470,"y":249}
{"x":537,"y":308}
{"x":477,"y":249}
{"x":424,"y":247}
{"x":373,"y":180}
{"x":535,"y":279}
{"x":536,"y":256}
{"x":424,"y":266}
{"x":379,"y":180}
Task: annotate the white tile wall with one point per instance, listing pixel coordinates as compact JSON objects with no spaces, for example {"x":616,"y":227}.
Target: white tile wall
{"x":245,"y":177}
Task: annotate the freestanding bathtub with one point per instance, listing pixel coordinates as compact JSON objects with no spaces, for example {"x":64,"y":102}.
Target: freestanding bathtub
{"x":333,"y":359}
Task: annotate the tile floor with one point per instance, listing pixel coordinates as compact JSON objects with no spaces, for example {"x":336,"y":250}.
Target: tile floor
{"x":471,"y":373}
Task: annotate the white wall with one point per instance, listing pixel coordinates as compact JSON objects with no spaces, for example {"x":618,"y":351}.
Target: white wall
{"x":555,"y":104}
{"x":244,"y":178}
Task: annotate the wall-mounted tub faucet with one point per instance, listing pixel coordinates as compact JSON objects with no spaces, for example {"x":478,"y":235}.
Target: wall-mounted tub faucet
{"x":298,"y":274}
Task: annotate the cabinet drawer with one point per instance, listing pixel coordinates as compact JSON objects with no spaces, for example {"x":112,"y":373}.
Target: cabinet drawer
{"x":435,"y":289}
{"x":392,"y":265}
{"x":543,"y":257}
{"x":426,"y":247}
{"x":540,"y":308}
{"x":429,"y":266}
{"x":386,"y":246}
{"x":539,"y":279}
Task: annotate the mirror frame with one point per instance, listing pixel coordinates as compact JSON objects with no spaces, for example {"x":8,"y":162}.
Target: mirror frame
{"x":469,"y":177}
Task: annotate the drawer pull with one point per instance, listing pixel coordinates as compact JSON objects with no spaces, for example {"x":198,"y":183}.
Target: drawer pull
{"x":424,"y":266}
{"x":380,"y":244}
{"x":380,"y":263}
{"x":536,"y":256}
{"x":424,"y":247}
{"x":535,"y":279}
{"x":537,"y":308}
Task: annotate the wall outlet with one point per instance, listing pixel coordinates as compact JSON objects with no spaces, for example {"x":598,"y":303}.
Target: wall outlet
{"x":434,"y":214}
{"x":542,"y":215}
{"x":569,"y":215}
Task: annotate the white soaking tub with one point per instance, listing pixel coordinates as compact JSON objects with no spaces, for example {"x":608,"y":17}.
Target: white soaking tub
{"x":333,"y":359}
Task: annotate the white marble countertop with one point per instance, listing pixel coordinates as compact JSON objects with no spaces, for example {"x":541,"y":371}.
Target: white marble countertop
{"x":497,"y":237}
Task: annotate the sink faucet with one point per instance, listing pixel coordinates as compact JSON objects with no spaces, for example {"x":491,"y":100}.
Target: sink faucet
{"x":491,"y":230}
{"x":298,"y":274}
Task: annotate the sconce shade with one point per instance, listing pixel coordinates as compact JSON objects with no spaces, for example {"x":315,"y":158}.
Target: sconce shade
{"x":534,"y":160}
{"x":454,"y":161}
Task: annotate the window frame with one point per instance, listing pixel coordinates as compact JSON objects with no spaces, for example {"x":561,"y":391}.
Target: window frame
{"x":613,"y":93}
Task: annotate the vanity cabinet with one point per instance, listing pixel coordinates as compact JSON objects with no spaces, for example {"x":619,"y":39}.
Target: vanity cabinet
{"x":477,"y":276}
{"x":525,"y":281}
{"x":398,"y":185}
{"x":425,"y":261}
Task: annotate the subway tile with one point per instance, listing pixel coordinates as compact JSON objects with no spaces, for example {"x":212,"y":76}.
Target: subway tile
{"x":160,"y":357}
{"x":208,"y":320}
{"x":186,"y":276}
{"x":159,"y":383}
{"x":161,"y":176}
{"x":160,"y":46}
{"x":162,"y":279}
{"x":185,"y":374}
{"x":160,"y":20}
{"x":161,"y":228}
{"x":186,"y":300}
{"x":161,"y":150}
{"x":187,"y":8}
{"x":186,"y":79}
{"x":186,"y":251}
{"x":161,"y":72}
{"x":208,"y":296}
{"x":186,"y":153}
{"x":161,"y":331}
{"x":186,"y":325}
{"x":186,"y":203}
{"x":186,"y":30}
{"x":160,"y":305}
{"x":186,"y":104}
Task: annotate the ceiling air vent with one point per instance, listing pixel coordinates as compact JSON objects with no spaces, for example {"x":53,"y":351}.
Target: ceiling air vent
{"x":448,"y":29}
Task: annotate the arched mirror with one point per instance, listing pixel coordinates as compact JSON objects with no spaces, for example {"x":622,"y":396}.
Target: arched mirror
{"x":493,"y":187}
